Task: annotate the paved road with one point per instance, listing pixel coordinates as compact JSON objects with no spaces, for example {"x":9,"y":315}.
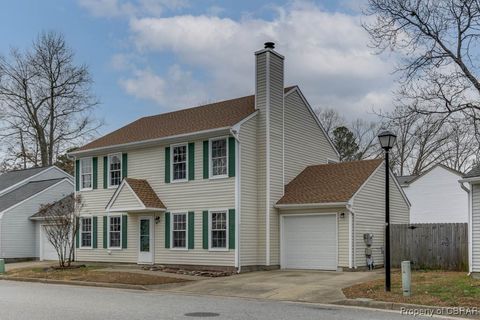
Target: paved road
{"x":36,"y":301}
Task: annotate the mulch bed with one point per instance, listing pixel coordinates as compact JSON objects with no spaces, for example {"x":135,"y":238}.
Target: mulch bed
{"x":91,"y":274}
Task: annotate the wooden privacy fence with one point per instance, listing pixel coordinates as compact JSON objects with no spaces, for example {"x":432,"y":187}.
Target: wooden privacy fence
{"x":441,"y":246}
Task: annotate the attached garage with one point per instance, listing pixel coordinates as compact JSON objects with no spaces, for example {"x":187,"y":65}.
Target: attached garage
{"x":327,"y":210}
{"x":309,"y":241}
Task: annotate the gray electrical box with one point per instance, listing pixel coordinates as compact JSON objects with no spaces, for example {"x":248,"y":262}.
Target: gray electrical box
{"x":368,"y":238}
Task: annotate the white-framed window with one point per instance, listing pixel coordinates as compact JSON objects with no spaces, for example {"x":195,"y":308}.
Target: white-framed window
{"x":114,"y":169}
{"x":218,"y":157}
{"x":114,"y":232}
{"x":85,"y":232}
{"x":179,"y":230}
{"x":218,"y":229}
{"x":86,"y":174}
{"x":179,"y":162}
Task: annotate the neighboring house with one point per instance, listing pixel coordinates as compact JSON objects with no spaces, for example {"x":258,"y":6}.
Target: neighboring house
{"x":472,"y":179}
{"x":240,"y":184}
{"x":436,"y":196}
{"x":22,"y":193}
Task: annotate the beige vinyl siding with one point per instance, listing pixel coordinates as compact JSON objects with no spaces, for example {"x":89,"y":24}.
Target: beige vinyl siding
{"x":475,"y":228}
{"x":130,"y":254}
{"x":126,"y":199}
{"x":260,"y":100}
{"x":197,"y":195}
{"x":342,"y":231}
{"x":305,"y":142}
{"x":276,"y":154}
{"x":369,"y":208}
{"x":248,"y":194}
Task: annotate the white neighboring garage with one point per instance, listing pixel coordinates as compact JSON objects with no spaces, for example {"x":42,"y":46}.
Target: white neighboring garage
{"x":327,"y":209}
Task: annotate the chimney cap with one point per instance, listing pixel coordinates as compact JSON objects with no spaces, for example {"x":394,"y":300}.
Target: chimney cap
{"x":269,"y":45}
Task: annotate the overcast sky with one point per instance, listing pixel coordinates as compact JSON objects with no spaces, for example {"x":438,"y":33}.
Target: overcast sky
{"x":152,"y":56}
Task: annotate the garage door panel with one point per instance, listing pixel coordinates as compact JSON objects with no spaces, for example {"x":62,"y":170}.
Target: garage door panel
{"x":47,"y":250}
{"x":310,"y":242}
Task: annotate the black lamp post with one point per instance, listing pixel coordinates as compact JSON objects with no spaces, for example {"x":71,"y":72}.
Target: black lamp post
{"x":387,"y":140}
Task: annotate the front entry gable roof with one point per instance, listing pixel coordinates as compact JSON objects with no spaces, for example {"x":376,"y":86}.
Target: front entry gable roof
{"x":135,"y":195}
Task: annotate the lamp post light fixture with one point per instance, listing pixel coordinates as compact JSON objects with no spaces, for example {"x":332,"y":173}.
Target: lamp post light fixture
{"x":387,"y":141}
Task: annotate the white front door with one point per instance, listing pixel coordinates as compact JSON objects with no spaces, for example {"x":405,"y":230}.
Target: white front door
{"x":145,"y":240}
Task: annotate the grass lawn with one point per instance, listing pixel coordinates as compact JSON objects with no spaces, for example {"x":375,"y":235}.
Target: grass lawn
{"x":92,"y":274}
{"x":437,"y":288}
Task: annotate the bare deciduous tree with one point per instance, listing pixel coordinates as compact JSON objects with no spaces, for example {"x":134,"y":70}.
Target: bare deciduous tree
{"x":439,"y":49}
{"x":61,"y":226}
{"x":45,"y":100}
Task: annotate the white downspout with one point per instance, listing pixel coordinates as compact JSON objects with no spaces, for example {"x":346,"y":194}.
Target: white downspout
{"x":470,"y":219}
{"x":352,"y":230}
{"x":236,"y":132}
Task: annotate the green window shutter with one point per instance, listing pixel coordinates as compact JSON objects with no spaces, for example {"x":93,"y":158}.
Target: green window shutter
{"x":191,"y":161}
{"x":205,"y":160}
{"x":124,"y":165}
{"x":231,"y":157}
{"x":205,"y":230}
{"x":167,"y":230}
{"x":124,"y":231}
{"x":95,"y":172}
{"x":105,"y":232}
{"x":105,"y":172}
{"x":94,"y":232}
{"x":77,"y":175}
{"x":191,"y":230}
{"x":231,"y":229}
{"x":167,"y":164}
{"x":77,"y":235}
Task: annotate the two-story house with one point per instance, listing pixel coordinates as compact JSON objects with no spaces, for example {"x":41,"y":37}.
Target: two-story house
{"x":242,"y":184}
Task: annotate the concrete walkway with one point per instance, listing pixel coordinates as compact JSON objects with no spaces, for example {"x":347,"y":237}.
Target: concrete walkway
{"x":304,"y":286}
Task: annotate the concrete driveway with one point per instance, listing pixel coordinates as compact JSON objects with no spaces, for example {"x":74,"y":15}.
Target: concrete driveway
{"x":305,"y":286}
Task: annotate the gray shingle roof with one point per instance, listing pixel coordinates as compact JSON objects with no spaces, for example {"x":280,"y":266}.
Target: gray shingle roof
{"x":475,"y":172}
{"x":10,"y":178}
{"x":66,"y":202}
{"x":403,"y":180}
{"x":24,"y":192}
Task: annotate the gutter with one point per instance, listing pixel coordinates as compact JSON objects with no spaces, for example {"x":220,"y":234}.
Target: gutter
{"x":310,"y":205}
{"x":143,"y":143}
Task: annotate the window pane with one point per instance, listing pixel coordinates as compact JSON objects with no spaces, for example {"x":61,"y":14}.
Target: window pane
{"x":179,"y":162}
{"x":115,"y":231}
{"x":86,"y":173}
{"x":179,"y":230}
{"x":86,"y":232}
{"x":145,"y":235}
{"x":219,"y":229}
{"x":115,"y":166}
{"x":219,"y":157}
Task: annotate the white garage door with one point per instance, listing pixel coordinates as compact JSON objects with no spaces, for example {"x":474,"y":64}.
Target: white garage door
{"x":310,"y":242}
{"x":47,"y":251}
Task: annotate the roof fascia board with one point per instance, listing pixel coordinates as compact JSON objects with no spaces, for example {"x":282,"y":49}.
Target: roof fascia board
{"x":146,"y":143}
{"x":310,"y":205}
{"x":297,"y":89}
